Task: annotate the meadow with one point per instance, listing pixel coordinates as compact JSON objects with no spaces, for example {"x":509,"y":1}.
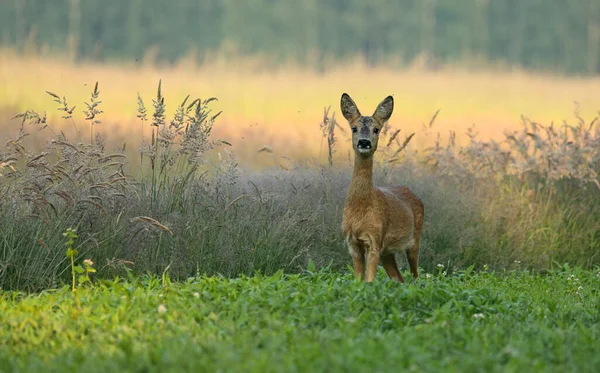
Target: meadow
{"x":316,"y":321}
{"x":142,"y":233}
{"x":181,"y":199}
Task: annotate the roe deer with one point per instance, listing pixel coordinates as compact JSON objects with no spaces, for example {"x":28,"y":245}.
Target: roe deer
{"x":377,"y":222}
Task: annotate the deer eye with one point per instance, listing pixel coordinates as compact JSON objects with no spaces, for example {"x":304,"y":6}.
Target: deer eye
{"x":354,"y":129}
{"x":376,"y":130}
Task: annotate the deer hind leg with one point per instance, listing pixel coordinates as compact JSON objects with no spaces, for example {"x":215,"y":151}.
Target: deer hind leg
{"x":412,"y":254}
{"x":391,"y":267}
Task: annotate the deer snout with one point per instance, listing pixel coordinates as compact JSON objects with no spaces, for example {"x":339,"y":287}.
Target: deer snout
{"x":364,"y":144}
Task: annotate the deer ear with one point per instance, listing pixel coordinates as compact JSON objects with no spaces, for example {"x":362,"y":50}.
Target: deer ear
{"x":384,"y":109}
{"x":349,"y":108}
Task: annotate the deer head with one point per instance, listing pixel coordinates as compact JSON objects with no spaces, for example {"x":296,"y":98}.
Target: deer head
{"x":365,"y":129}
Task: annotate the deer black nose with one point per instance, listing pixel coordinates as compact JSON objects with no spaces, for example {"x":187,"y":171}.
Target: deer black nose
{"x":364,"y":144}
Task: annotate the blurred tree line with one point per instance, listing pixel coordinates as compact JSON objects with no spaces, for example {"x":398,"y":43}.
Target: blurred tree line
{"x":556,"y":35}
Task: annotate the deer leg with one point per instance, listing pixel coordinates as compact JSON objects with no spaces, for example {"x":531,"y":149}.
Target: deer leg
{"x":412,"y":254}
{"x":359,"y":265}
{"x":391,"y":267}
{"x":357,"y":251}
{"x":372,"y":262}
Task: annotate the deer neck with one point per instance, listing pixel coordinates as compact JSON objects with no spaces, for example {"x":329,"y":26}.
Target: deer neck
{"x":361,"y":186}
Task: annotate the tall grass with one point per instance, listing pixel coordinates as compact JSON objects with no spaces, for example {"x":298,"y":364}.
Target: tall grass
{"x":530,"y":200}
{"x":278,"y":107}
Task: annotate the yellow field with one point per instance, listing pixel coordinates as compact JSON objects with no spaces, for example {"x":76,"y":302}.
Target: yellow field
{"x":282,"y":108}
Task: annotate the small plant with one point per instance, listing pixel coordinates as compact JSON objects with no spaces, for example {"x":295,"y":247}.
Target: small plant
{"x":88,"y":268}
{"x":83,"y":271}
{"x":93,"y":111}
{"x":328,"y":126}
{"x":71,"y":236}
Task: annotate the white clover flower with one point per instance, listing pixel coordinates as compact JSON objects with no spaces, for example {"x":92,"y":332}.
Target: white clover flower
{"x":478,"y":315}
{"x":197,"y":295}
{"x":440,"y":265}
{"x":162,"y":308}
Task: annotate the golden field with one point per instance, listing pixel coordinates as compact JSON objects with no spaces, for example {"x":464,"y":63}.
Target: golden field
{"x":282,"y":108}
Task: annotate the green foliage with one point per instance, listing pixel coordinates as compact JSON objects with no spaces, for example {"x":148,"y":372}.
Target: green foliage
{"x":534,"y":34}
{"x":83,"y":271}
{"x":471,"y":321}
{"x":71,"y":253}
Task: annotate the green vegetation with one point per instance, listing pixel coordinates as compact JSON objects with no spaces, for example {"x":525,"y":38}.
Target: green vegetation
{"x":319,"y":321}
{"x":533,"y":34}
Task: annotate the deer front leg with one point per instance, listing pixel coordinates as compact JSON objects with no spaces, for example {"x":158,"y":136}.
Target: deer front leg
{"x":372,"y":263}
{"x":373,"y":252}
{"x":359,"y":266}
{"x":357,"y":251}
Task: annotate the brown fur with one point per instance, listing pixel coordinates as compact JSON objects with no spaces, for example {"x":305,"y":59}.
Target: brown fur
{"x":377,"y":222}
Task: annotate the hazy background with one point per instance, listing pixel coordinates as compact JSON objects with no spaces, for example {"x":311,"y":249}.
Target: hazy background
{"x":275,"y":64}
{"x":549,"y":35}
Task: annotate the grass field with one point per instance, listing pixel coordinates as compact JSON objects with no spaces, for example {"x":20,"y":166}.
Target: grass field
{"x":282,"y":107}
{"x":276,"y":292}
{"x":470,"y":321}
{"x":531,"y":196}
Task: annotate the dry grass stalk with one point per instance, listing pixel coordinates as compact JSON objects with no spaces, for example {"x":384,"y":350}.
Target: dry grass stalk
{"x":152,"y":222}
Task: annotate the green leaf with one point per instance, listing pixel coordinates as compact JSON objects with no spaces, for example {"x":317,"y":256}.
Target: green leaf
{"x":82,"y":279}
{"x":71,"y":252}
{"x":79,"y":269}
{"x":311,"y":265}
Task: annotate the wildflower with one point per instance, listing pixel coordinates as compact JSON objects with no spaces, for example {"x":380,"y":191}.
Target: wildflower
{"x":88,"y":262}
{"x":196,"y":294}
{"x":162,"y":308}
{"x":440,"y":265}
{"x":427,"y":275}
{"x":478,"y":315}
{"x":517,"y":262}
{"x":485,"y":267}
{"x":580,"y":288}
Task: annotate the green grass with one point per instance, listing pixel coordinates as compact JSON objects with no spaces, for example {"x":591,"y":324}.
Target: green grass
{"x":512,"y":321}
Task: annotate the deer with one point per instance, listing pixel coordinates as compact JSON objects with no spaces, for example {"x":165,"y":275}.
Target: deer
{"x":377,"y":222}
